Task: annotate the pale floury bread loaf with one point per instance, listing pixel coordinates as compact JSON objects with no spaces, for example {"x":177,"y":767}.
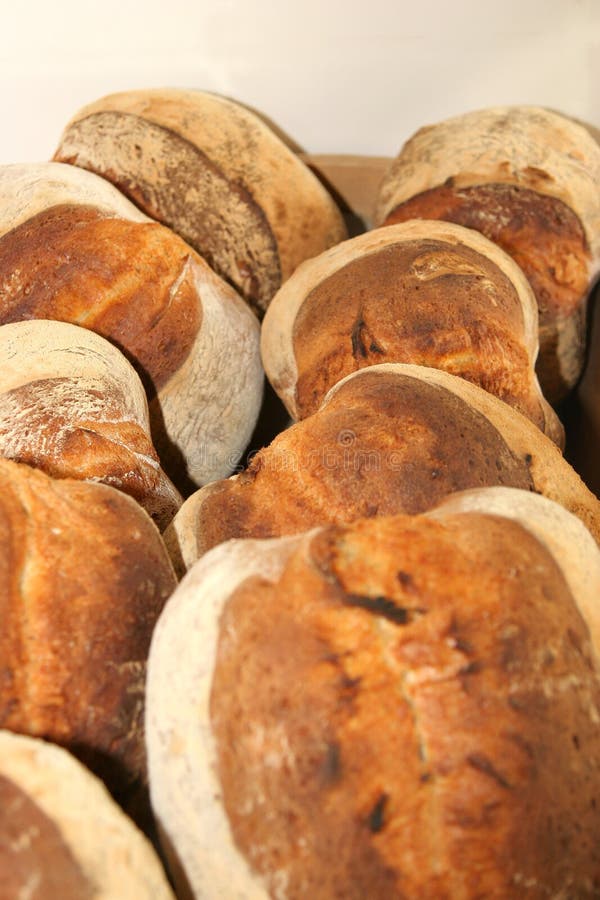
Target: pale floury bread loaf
{"x":62,"y":835}
{"x":422,"y":292}
{"x":73,"y":248}
{"x":390,"y":438}
{"x":84,"y":575}
{"x":529,"y":179}
{"x":404,"y":707}
{"x":216,"y":173}
{"x":73,"y":406}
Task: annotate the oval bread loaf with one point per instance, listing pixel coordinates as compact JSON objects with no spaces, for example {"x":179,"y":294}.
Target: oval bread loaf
{"x":398,"y":708}
{"x":387,"y":439}
{"x":214,"y":172}
{"x":73,"y":248}
{"x":529,"y":179}
{"x":84,"y":576}
{"x":61,"y":834}
{"x":426,"y":293}
{"x":71,"y":405}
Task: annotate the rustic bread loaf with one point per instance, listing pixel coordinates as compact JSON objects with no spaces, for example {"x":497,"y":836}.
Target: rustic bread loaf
{"x":73,"y":248}
{"x":62,"y":837}
{"x":422,"y":292}
{"x":213,"y":171}
{"x":529,"y":179}
{"x":71,"y":405}
{"x":83,"y":577}
{"x":388,"y":439}
{"x":398,"y":708}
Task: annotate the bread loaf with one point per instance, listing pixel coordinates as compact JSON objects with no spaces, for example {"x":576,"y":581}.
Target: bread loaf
{"x":398,"y":708}
{"x":71,"y":405}
{"x":529,"y":179}
{"x":214,"y":172}
{"x":61,"y":834}
{"x":83,"y":577}
{"x":387,"y":439}
{"x":73,"y":248}
{"x":427,"y":293}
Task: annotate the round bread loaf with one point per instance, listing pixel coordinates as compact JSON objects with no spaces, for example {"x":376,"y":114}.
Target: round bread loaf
{"x":528,"y":179}
{"x":398,"y":708}
{"x":216,"y":173}
{"x":71,"y":405}
{"x":84,"y":575}
{"x":73,"y":248}
{"x":427,"y":293}
{"x":61,"y":834}
{"x":390,"y":438}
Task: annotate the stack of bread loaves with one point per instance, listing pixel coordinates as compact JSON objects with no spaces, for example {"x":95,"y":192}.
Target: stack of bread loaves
{"x":380,"y":674}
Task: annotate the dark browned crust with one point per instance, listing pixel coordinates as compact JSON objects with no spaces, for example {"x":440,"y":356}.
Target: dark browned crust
{"x":427,"y":302}
{"x":380,"y":446}
{"x":115,"y":277}
{"x":449,"y":752}
{"x":84,"y":576}
{"x":64,"y":444}
{"x":173,"y":181}
{"x":35,"y":861}
{"x":541,"y":233}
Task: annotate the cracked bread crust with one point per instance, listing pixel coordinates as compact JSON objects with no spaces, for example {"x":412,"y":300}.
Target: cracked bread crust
{"x":214,"y":172}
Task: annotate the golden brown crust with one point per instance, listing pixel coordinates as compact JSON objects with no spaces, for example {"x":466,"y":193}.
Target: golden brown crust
{"x":74,"y":263}
{"x":545,"y":238}
{"x":378,"y":447}
{"x":215,"y":173}
{"x":424,"y":302}
{"x":84,"y":578}
{"x":35,"y":861}
{"x":418,"y":718}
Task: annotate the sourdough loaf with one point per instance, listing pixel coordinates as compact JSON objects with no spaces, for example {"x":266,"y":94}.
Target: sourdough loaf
{"x":387,"y":439}
{"x":83,"y":577}
{"x":73,"y":248}
{"x":61,"y":834}
{"x":398,"y":708}
{"x":216,"y":173}
{"x":427,"y":293}
{"x":529,"y":179}
{"x":71,"y":405}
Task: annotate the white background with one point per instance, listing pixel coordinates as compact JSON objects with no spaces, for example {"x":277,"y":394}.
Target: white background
{"x":339,"y":76}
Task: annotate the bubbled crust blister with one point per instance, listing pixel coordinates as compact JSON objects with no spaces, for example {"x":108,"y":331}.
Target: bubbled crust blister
{"x":86,"y":255}
{"x":427,"y":293}
{"x":214,"y":172}
{"x":84,"y":577}
{"x":388,"y":439}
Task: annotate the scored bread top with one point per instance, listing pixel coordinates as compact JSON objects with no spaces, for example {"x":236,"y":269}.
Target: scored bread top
{"x":529,"y":146}
{"x":216,"y":173}
{"x":431,"y":293}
